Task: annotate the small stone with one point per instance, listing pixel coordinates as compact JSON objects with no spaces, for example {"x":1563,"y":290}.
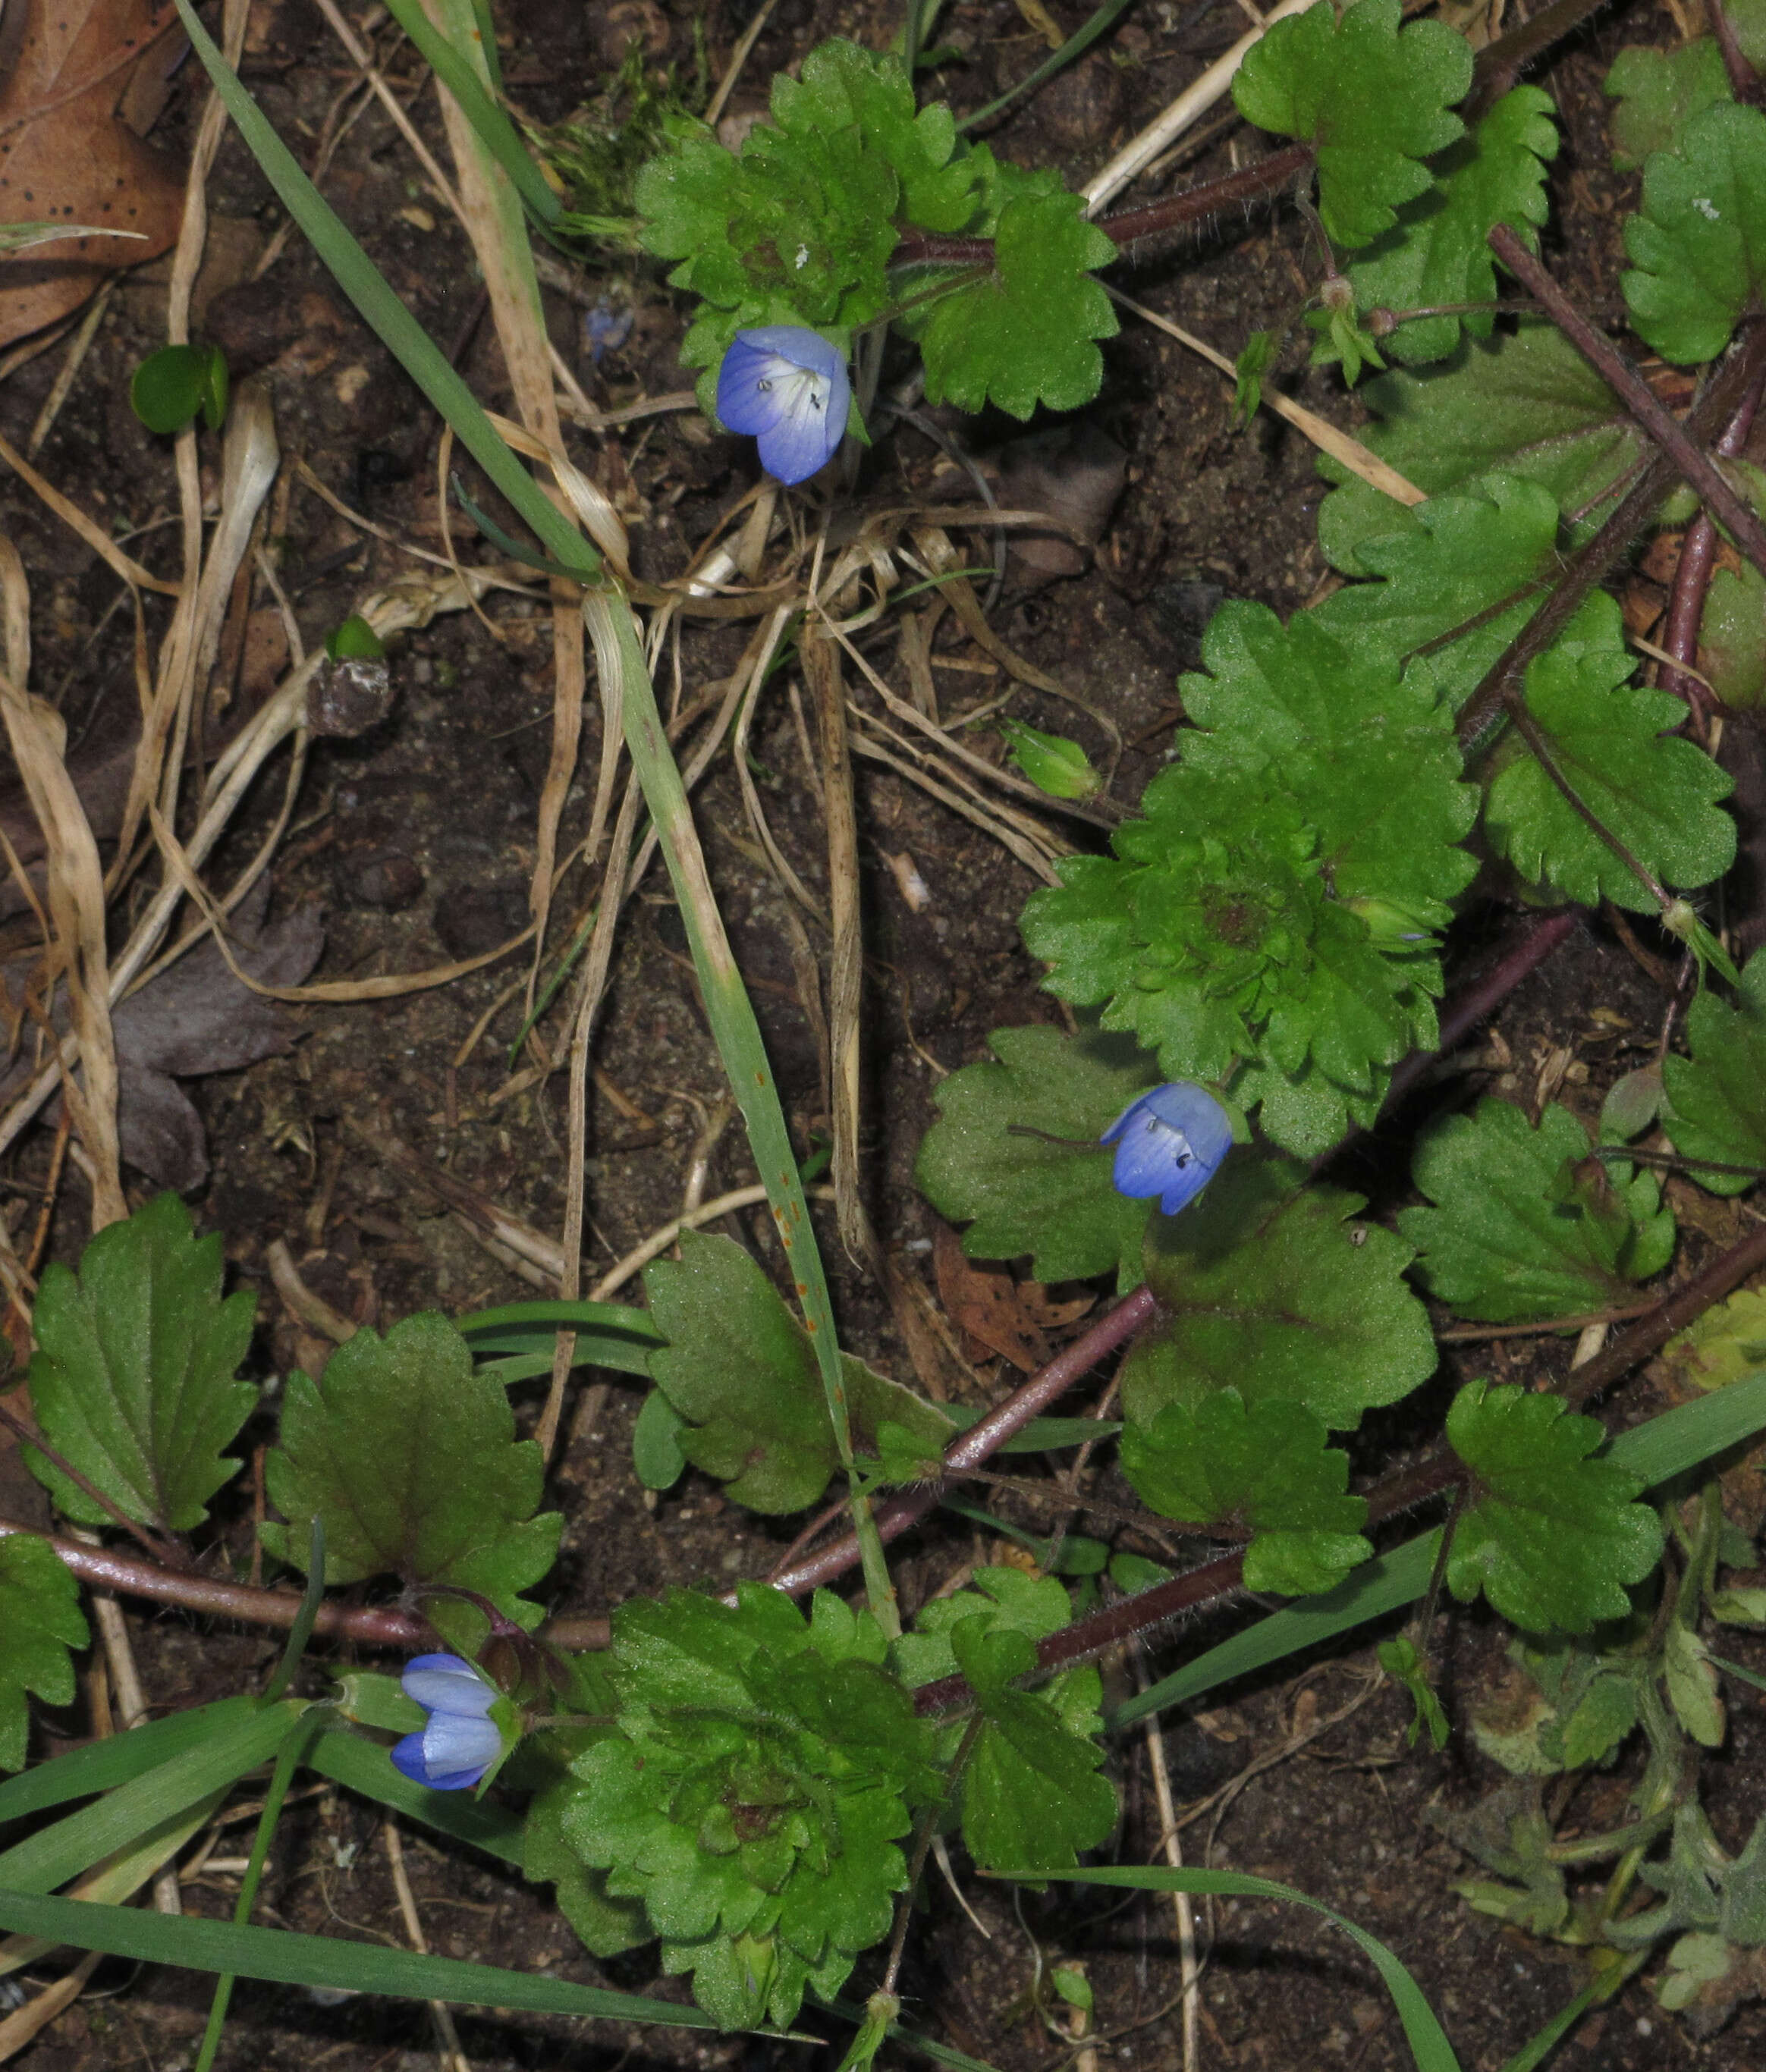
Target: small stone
{"x":386,"y":878}
{"x":1081,"y":106}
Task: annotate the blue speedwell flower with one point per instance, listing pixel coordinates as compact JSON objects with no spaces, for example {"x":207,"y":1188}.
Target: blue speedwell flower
{"x":461,"y":1741}
{"x":786,"y":386}
{"x":1169,"y":1143}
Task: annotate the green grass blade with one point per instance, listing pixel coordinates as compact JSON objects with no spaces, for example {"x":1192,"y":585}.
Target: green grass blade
{"x":1534,"y":2051}
{"x":288,"y":1757}
{"x":1376,"y":1588}
{"x":121,"y":1876}
{"x":608,"y":1333}
{"x":1735,"y":1670}
{"x":737,"y":1033}
{"x":287,"y":1958}
{"x":1690,"y":1433}
{"x":416,"y":352}
{"x":1428,"y":2041}
{"x":104,"y":1764}
{"x":1075,"y":46}
{"x":225,"y":1754}
{"x":364,"y":1765}
{"x":493,"y":128}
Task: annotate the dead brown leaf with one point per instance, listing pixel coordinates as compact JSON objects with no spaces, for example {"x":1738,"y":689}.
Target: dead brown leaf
{"x":66,"y":153}
{"x":984,"y":1302}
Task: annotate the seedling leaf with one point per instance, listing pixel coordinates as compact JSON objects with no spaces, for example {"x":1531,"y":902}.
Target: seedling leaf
{"x":1032,"y":1783}
{"x":1659,"y":92}
{"x":1436,"y":253}
{"x":1459,"y":558}
{"x":1525,"y":1223}
{"x":1698,"y":242}
{"x":132,"y":1380}
{"x":40,"y":1620}
{"x":1525,"y":404}
{"x":740,"y":1369}
{"x":763,"y":1770}
{"x":1241,"y":918}
{"x":1551,"y":1536}
{"x":1268,"y":1467}
{"x":1025,"y":335}
{"x":1656,"y":792}
{"x":1023,"y":1193}
{"x":410,"y":1458}
{"x":1372,"y":99}
{"x":1717,"y":1097}
{"x":1267,"y":1287}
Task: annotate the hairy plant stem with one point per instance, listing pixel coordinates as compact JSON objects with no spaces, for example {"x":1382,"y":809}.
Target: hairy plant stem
{"x":1180,"y":211}
{"x":1585,"y":570}
{"x":1434,"y":1475}
{"x":1693,"y":573}
{"x":1691,"y":461}
{"x":160,"y":1550}
{"x":1501,"y":64}
{"x":1743,"y":80}
{"x":969,"y":1449}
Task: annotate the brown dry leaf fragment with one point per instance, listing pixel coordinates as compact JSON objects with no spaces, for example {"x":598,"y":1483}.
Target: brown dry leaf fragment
{"x":66,"y":154}
{"x":196,"y":1018}
{"x":985,"y":1302}
{"x":1056,"y":1307}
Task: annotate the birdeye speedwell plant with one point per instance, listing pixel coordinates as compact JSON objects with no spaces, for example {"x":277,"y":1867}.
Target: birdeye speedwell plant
{"x":1243,"y":965}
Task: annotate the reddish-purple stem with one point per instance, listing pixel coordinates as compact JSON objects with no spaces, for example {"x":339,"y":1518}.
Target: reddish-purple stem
{"x":107,"y":1570}
{"x":1591,"y":563}
{"x":1743,"y":80}
{"x":971,"y":1447}
{"x":1478,"y":1001}
{"x":1693,"y":464}
{"x":1692,"y":576}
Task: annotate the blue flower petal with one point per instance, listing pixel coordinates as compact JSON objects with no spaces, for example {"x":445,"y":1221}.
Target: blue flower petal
{"x":451,"y":1744}
{"x":459,"y":1691}
{"x":1169,"y":1143}
{"x":786,"y":386}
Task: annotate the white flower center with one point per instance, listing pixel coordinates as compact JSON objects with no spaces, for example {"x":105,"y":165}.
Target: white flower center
{"x":798,"y":388}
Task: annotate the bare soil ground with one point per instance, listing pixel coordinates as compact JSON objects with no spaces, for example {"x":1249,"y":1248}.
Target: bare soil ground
{"x":415,"y":844}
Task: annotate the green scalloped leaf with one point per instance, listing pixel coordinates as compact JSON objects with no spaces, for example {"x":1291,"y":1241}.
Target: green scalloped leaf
{"x":1525,"y":404}
{"x":1525,"y":1223}
{"x":410,"y":1458}
{"x":1026,"y":333}
{"x":1659,"y":92}
{"x":1372,"y":98}
{"x":132,"y":1380}
{"x":1250,"y":919}
{"x":1437,"y":252}
{"x":753,"y":1796}
{"x":1266,"y":1286}
{"x":740,"y":1370}
{"x":1267,"y":1468}
{"x":1699,"y":242}
{"x":1656,"y":792}
{"x":1551,"y":1536}
{"x":1455,"y":560}
{"x":40,"y":1620}
{"x":1022,"y":1193}
{"x":1717,"y":1096}
{"x":1030,"y":1793}
{"x":1732,"y":637}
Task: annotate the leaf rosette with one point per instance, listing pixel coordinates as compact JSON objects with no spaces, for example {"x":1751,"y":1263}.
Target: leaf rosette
{"x":1316,"y":789}
{"x":763,"y":1769}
